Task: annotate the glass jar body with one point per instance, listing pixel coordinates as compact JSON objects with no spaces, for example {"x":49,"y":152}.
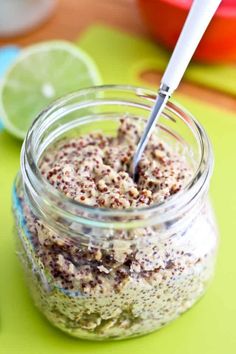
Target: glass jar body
{"x":99,"y":277}
{"x":115,"y":288}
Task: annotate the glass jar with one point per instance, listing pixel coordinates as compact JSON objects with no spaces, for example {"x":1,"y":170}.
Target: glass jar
{"x":107,"y":273}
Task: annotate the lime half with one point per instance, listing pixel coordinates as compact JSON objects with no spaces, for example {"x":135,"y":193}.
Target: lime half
{"x":40,"y":74}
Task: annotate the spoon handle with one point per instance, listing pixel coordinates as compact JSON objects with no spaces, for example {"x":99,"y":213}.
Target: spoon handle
{"x":197,"y":21}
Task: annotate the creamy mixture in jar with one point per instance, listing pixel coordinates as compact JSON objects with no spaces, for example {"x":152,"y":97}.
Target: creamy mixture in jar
{"x":131,"y":281}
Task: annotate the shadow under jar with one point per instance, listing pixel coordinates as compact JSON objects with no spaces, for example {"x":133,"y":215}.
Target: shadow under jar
{"x":99,"y":273}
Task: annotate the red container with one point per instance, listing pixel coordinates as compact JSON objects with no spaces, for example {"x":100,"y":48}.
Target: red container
{"x":165,"y":19}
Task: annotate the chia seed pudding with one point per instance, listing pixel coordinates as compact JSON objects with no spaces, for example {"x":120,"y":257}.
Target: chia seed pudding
{"x":115,"y":283}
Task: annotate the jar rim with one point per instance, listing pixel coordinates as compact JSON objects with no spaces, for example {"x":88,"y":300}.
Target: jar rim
{"x":30,"y":169}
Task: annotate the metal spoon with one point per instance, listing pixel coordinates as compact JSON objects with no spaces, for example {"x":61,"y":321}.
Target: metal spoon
{"x":195,"y":25}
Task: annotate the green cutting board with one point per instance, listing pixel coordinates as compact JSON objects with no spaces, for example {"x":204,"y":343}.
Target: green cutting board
{"x":133,"y":55}
{"x":208,"y":328}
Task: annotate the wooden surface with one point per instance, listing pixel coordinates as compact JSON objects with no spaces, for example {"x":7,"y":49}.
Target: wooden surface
{"x":73,"y":16}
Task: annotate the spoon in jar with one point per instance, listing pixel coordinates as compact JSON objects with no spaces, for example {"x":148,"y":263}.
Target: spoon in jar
{"x":199,"y":17}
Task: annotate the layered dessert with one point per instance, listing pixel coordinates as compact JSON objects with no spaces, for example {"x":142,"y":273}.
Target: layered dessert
{"x":120,"y":282}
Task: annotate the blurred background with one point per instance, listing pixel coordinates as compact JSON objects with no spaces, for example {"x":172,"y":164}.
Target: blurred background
{"x":24,"y":22}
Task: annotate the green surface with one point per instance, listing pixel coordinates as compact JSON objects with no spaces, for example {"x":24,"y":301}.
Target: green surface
{"x":133,"y":56}
{"x":208,"y":328}
{"x":40,"y":74}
